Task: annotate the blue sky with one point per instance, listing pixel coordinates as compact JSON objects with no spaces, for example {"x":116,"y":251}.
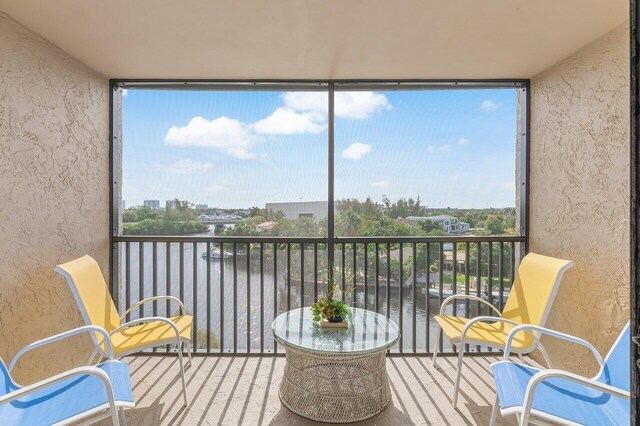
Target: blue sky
{"x":453,"y":148}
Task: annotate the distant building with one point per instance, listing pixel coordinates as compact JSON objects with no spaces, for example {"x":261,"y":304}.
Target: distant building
{"x":296,"y":210}
{"x":450,"y":224}
{"x":461,"y":258}
{"x":171,"y":204}
{"x":124,"y":205}
{"x":202,"y":207}
{"x":152,"y":204}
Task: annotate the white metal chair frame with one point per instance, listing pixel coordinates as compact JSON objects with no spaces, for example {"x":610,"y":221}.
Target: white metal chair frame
{"x":464,"y":341}
{"x":111,"y":409}
{"x":525,"y":415}
{"x":179,"y":341}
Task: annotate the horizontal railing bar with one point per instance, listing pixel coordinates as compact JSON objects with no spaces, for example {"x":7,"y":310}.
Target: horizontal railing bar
{"x":348,"y":240}
{"x":238,"y":240}
{"x":429,"y":239}
{"x":270,"y":353}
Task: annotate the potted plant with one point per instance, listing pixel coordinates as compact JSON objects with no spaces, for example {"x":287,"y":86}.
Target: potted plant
{"x":331,"y":310}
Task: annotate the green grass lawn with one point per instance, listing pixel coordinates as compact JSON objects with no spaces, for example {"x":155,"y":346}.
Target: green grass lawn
{"x":448,"y":278}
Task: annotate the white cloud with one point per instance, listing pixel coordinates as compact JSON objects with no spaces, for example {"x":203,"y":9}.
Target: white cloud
{"x":227,"y":134}
{"x":360,"y":105}
{"x":444,"y":148}
{"x":454,"y":179}
{"x":488,"y":105}
{"x":124,"y":93}
{"x":463,"y":141}
{"x":385,"y":183}
{"x":430,"y":149}
{"x":306,"y":101}
{"x":186,"y":167}
{"x":285,"y":121}
{"x":356,"y":151}
{"x":351,"y":105}
{"x":303,"y":112}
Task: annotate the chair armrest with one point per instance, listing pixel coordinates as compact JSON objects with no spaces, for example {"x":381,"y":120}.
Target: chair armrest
{"x":148,"y":319}
{"x":553,"y":333}
{"x":468,"y":325}
{"x":151,"y":299}
{"x":80,"y":371}
{"x":541,"y":376}
{"x":466,"y":296}
{"x":61,"y":336}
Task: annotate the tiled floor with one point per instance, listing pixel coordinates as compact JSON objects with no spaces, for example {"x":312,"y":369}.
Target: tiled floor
{"x":244,"y":390}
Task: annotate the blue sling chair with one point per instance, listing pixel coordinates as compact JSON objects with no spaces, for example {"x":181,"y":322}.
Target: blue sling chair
{"x":562,"y":397}
{"x":81,"y":396}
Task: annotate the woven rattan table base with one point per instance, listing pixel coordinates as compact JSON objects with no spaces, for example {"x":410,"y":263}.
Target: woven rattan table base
{"x":335,"y":387}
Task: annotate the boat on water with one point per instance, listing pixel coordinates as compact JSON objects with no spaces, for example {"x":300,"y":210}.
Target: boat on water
{"x":215,"y":255}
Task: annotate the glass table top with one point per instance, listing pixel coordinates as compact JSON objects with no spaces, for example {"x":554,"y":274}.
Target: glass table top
{"x":367,"y":332}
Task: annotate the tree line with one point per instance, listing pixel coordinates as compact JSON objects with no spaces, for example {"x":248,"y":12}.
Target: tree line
{"x":180,"y":218}
{"x":352,"y":218}
{"x":369,"y":219}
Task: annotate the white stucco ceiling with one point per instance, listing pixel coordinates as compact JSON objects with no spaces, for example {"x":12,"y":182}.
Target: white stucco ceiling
{"x":304,"y":39}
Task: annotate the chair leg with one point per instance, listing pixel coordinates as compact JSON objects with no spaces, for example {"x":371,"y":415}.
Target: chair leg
{"x":123,"y":419}
{"x":186,"y":347}
{"x":437,"y":347}
{"x":184,"y":382}
{"x":459,"y":373}
{"x":494,"y":411}
{"x":190,"y":347}
{"x":114,"y":415}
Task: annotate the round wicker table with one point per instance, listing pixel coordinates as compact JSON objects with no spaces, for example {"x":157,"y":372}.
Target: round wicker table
{"x":335,"y":375}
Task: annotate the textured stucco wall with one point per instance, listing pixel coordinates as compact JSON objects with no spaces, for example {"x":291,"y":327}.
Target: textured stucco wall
{"x":54,"y":162}
{"x":579,"y":183}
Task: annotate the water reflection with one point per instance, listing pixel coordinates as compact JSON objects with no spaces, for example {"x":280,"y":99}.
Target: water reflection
{"x":259,"y":297}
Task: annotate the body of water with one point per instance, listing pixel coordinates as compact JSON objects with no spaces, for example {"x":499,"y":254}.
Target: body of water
{"x":258,"y":297}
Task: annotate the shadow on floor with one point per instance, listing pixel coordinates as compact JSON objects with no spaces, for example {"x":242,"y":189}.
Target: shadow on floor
{"x":145,"y":416}
{"x":389,"y":416}
{"x":238,"y":391}
{"x":481,"y":415}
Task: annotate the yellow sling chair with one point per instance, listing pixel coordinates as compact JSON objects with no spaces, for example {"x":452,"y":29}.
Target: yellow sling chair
{"x":529,"y":302}
{"x":96,"y":305}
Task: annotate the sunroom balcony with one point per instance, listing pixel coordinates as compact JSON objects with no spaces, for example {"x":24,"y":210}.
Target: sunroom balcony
{"x":109,"y":109}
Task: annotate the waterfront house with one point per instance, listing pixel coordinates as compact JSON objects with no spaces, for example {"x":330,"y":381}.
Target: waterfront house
{"x":461,"y":261}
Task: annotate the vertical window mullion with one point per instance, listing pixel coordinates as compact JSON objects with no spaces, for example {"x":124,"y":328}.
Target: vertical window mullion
{"x":331,"y":203}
